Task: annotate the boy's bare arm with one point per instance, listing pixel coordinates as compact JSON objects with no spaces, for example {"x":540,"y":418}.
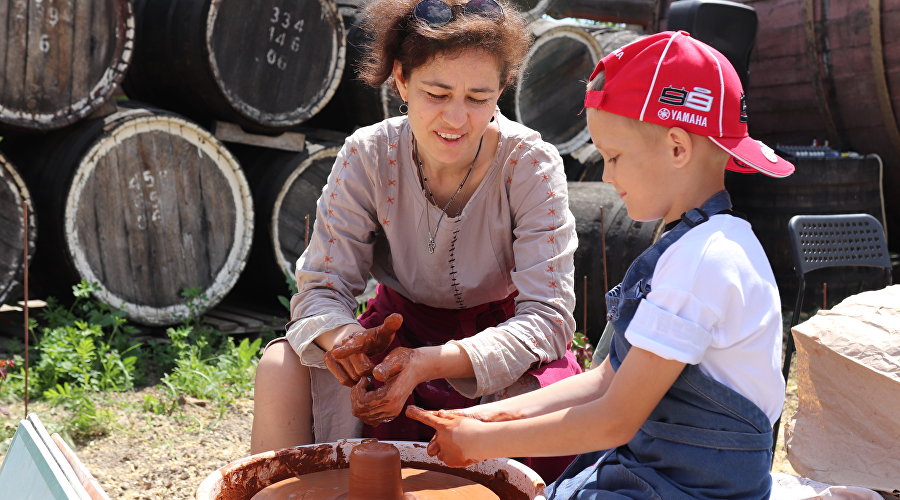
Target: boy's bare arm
{"x":606,"y":422}
{"x":568,"y":392}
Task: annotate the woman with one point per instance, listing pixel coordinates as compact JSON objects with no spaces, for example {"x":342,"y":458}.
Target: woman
{"x":462,"y":217}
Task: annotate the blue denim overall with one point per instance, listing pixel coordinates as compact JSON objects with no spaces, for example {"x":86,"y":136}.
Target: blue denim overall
{"x":703,"y":440}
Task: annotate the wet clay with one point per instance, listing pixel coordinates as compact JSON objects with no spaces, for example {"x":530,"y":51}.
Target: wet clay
{"x":376,"y":404}
{"x":375,"y":473}
{"x":418,"y":484}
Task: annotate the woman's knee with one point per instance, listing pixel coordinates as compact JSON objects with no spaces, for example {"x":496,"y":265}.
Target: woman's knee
{"x":280,"y":364}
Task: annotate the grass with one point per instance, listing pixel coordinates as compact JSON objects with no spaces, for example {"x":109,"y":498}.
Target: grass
{"x":84,"y":352}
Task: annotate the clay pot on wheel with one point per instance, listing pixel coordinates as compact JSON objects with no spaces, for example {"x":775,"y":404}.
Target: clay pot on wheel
{"x":244,"y":478}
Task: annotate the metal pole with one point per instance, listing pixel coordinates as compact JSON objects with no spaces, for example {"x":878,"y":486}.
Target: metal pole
{"x":25,"y":298}
{"x":603,"y":247}
{"x":306,"y":233}
{"x":584,"y":304}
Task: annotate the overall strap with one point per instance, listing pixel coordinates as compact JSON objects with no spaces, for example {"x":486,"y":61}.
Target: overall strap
{"x":716,"y":204}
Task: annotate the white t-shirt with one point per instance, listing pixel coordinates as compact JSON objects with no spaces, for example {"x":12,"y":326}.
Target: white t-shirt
{"x":714,"y":303}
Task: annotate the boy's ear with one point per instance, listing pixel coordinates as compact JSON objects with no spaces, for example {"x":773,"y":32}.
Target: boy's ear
{"x":681,"y":146}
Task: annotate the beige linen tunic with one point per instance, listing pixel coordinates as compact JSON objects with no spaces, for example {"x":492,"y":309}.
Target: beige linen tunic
{"x":515,"y":233}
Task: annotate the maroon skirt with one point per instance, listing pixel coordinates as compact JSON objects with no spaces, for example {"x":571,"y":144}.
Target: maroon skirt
{"x":430,"y":326}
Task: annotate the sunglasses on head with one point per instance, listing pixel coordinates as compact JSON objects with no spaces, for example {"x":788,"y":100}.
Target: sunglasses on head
{"x":436,"y":13}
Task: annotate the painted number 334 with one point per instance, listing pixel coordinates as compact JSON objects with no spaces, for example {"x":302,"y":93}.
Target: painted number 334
{"x":283,"y":33}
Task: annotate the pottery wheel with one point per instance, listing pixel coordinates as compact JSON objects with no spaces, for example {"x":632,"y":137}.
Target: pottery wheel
{"x":418,"y":484}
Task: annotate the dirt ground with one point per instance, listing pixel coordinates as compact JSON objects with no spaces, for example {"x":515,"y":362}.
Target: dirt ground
{"x":149,"y":456}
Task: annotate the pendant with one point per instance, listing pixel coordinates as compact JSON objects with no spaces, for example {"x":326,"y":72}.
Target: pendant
{"x":430,"y":244}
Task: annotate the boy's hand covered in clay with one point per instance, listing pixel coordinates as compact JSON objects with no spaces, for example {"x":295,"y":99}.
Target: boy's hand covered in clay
{"x":349,"y":361}
{"x":454,"y":436}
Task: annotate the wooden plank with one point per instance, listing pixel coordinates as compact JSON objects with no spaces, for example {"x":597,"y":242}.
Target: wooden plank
{"x":222,"y":325}
{"x":93,"y":488}
{"x":31,"y":471}
{"x":262,"y":316}
{"x":239,"y":319}
{"x":58,"y":457}
{"x":287,"y":141}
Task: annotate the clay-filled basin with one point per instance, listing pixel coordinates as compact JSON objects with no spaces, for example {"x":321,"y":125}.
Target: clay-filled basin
{"x":243,"y":478}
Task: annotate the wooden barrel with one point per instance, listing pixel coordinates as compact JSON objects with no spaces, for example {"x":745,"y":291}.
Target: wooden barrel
{"x":532,"y":9}
{"x":144,"y":203}
{"x":63,"y":59}
{"x":646,"y":13}
{"x":608,"y":240}
{"x":546,"y":97}
{"x":818,"y":186}
{"x":14,"y":235}
{"x":585,"y":164}
{"x":830,"y":70}
{"x":355,"y":104}
{"x":266,"y":66}
{"x":549,"y":96}
{"x":285,"y":187}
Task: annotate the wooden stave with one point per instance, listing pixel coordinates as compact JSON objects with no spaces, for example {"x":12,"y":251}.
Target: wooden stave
{"x":523,"y":108}
{"x":199,"y":90}
{"x":14,"y":196}
{"x":89,"y":100}
{"x":55,"y":176}
{"x":354,"y":104}
{"x":274,"y":177}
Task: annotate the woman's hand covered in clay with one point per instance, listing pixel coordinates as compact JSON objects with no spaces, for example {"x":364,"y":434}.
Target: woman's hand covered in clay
{"x":400,"y":374}
{"x":349,"y":360}
{"x":454,"y":435}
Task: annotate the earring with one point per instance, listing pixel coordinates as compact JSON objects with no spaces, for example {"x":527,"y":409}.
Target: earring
{"x":404,"y":108}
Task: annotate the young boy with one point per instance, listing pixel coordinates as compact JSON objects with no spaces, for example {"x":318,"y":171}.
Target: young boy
{"x":684,"y":404}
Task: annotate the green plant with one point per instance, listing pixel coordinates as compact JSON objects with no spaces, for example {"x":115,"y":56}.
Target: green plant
{"x":292,"y":286}
{"x":85,"y":309}
{"x":5,"y":365}
{"x":13,"y":387}
{"x":83,"y":354}
{"x":87,"y":420}
{"x":196,"y":302}
{"x":291,"y":281}
{"x":583,"y":350}
{"x":153,"y":404}
{"x":220,"y":375}
{"x":81,"y":350}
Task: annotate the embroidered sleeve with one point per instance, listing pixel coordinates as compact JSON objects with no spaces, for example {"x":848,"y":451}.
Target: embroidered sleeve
{"x":332,"y":270}
{"x":544,"y":246}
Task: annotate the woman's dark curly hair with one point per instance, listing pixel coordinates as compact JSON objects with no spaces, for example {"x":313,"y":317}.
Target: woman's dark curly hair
{"x":395,"y":34}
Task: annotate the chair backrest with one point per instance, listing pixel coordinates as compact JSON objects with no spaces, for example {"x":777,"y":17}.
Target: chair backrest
{"x":821,"y":241}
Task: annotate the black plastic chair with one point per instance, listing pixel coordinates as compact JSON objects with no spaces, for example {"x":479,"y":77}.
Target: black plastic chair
{"x":825,"y":241}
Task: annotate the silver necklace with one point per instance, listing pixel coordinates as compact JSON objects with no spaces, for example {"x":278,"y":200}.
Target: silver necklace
{"x":429,"y":194}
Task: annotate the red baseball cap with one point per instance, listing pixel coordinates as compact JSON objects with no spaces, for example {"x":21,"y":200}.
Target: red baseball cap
{"x":673,"y":80}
